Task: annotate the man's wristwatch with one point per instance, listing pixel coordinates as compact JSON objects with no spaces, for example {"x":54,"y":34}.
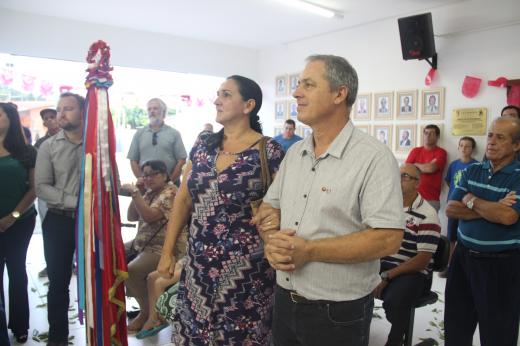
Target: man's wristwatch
{"x":385,"y":276}
{"x":469,"y":203}
{"x":15,"y":214}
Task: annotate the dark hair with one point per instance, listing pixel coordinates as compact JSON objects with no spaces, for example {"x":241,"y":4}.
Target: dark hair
{"x":158,"y":166}
{"x":469,"y":139}
{"x":249,"y":90}
{"x":80,"y":99}
{"x":511,"y":107}
{"x":290,"y":122}
{"x":435,"y":127}
{"x":14,"y":141}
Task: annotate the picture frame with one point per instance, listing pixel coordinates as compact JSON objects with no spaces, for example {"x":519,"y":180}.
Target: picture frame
{"x":364,"y":128}
{"x":280,"y":110}
{"x":278,"y":129}
{"x":362,"y":107}
{"x":420,"y":129}
{"x":383,"y":105}
{"x":306,"y":131}
{"x":383,"y":133}
{"x":406,"y":105}
{"x":292,"y":110}
{"x":280,"y":86}
{"x":405,"y":137}
{"x":432,"y":101}
{"x":293,"y":83}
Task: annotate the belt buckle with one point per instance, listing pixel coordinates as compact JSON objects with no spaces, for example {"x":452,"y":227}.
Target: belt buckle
{"x":296,"y":298}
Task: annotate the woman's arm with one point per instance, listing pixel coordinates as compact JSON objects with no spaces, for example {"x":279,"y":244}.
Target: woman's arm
{"x":179,"y":215}
{"x":148,"y":214}
{"x":26,"y":201}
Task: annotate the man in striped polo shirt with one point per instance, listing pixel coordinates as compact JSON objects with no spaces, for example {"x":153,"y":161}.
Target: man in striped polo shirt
{"x":484,"y":277}
{"x":406,"y":275}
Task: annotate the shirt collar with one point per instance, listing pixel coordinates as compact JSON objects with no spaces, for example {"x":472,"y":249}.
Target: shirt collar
{"x":509,"y":169}
{"x":336,"y":148}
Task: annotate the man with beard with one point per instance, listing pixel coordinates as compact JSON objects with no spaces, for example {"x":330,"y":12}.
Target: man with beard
{"x":157,"y":141}
{"x":57,"y":175}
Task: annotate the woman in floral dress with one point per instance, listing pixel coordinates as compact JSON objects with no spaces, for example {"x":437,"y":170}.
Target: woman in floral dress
{"x":226,"y":289}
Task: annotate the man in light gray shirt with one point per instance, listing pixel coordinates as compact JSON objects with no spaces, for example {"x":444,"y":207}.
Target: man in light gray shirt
{"x":339,"y":196}
{"x":157,"y":141}
{"x":57,"y":175}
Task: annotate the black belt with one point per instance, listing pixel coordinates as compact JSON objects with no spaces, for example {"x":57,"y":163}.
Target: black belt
{"x":299,"y":299}
{"x":67,"y":213}
{"x":499,"y":254}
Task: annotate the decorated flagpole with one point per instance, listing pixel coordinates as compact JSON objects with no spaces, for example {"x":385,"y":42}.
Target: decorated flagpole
{"x":101,"y":258}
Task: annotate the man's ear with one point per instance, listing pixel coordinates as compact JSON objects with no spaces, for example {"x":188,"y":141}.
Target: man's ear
{"x":341,"y":94}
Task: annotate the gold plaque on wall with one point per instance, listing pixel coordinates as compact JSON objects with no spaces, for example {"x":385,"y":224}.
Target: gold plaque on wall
{"x":469,"y":121}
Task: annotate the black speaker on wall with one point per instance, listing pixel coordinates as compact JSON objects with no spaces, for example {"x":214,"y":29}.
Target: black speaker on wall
{"x":417,"y":36}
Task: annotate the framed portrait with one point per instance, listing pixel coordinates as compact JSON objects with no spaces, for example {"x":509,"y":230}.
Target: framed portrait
{"x":361,"y":109}
{"x":281,"y":86}
{"x":293,"y":83}
{"x":383,"y":133}
{"x":405,"y":137}
{"x":406,"y":104}
{"x":420,"y":133}
{"x":383,"y":105}
{"x":364,"y":128}
{"x":293,"y":110}
{"x":432,"y":104}
{"x":278,"y":129}
{"x":280,"y":110}
{"x":306,"y":131}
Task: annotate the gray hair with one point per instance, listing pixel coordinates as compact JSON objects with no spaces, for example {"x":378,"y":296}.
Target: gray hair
{"x":339,"y":72}
{"x":515,"y":134}
{"x":159,"y":101}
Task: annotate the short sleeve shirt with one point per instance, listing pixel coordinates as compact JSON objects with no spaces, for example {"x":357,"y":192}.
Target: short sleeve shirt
{"x":430,"y":185}
{"x":353,"y":186}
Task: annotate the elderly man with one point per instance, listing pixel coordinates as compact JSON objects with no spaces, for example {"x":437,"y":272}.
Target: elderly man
{"x":407,"y":274}
{"x":287,"y":138}
{"x":57,"y":183}
{"x":341,"y":211}
{"x":484,"y":277}
{"x":430,"y":159}
{"x":157,"y":141}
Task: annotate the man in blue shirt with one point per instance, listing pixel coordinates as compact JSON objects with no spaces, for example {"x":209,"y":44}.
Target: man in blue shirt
{"x":484,"y":277}
{"x":288,"y":138}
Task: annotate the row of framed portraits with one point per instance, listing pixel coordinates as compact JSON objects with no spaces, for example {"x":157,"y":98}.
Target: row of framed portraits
{"x":284,"y":110}
{"x":400,"y":138}
{"x":301,"y":130}
{"x":286,"y":85}
{"x":400,"y":105}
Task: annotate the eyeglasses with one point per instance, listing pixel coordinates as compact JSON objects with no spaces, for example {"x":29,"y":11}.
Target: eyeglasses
{"x":150,"y":175}
{"x":154,"y":138}
{"x":408,"y":177}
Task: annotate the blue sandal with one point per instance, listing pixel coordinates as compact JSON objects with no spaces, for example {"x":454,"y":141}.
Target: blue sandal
{"x":145,"y":333}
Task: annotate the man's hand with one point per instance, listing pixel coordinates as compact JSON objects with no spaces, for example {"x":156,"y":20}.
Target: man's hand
{"x":285,"y":251}
{"x":378,"y":291}
{"x":509,"y":199}
{"x":467,"y":198}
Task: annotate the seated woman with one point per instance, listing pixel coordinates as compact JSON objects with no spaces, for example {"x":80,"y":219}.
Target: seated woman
{"x":152,"y":199}
{"x":157,"y":285}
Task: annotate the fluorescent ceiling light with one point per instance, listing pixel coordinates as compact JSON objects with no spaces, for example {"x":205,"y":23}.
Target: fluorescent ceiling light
{"x":312,"y":8}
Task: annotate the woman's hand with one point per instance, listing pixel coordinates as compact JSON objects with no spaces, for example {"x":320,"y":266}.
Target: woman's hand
{"x":166,"y":266}
{"x":6,"y":222}
{"x":126,"y":189}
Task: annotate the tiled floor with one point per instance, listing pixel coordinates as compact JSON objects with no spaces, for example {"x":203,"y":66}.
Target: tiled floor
{"x":37,"y":292}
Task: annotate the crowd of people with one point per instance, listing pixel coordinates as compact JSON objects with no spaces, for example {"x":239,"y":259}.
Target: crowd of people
{"x":283,"y":241}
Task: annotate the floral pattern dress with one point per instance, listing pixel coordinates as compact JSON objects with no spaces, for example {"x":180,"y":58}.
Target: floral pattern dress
{"x":226,"y":289}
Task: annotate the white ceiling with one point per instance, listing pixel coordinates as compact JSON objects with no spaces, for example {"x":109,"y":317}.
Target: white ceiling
{"x":252,"y":24}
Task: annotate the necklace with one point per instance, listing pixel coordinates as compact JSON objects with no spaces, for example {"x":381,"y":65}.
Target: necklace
{"x":227,"y":153}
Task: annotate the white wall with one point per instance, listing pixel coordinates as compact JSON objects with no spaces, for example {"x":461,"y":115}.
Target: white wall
{"x":375,"y":51}
{"x":48,"y":37}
